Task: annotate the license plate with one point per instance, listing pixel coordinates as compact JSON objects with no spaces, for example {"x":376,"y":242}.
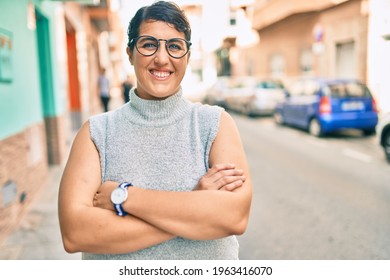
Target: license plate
{"x":352,"y":106}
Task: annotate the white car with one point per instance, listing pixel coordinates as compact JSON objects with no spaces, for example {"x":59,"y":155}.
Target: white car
{"x":383,"y":130}
{"x":253,"y":96}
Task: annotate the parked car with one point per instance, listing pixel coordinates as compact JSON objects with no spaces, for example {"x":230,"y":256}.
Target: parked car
{"x":255,"y":96}
{"x":217,"y":93}
{"x":248,"y":95}
{"x":384,"y":135}
{"x":326,"y":105}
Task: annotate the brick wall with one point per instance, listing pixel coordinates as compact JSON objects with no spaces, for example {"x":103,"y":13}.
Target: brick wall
{"x":23,"y":172}
{"x":56,"y":140}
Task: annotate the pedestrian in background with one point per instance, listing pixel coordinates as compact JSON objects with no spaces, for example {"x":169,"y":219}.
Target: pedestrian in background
{"x":126,"y":87}
{"x":160,"y":177}
{"x":104,"y":89}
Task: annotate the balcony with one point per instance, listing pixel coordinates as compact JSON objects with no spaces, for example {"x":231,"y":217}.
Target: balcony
{"x":270,"y":12}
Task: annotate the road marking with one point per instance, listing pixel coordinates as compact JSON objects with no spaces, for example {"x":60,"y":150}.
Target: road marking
{"x":357,"y":155}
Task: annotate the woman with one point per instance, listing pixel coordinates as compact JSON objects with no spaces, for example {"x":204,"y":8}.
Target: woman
{"x":179,"y":168}
{"x":104,"y":89}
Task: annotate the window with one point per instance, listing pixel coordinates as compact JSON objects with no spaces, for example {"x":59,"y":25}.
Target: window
{"x":277,"y":65}
{"x":306,"y":62}
{"x":348,"y":90}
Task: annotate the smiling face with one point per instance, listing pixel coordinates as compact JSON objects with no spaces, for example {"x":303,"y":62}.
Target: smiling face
{"x":158,"y":76}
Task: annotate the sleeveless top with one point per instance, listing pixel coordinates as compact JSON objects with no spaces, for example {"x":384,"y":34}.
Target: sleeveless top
{"x":160,"y":145}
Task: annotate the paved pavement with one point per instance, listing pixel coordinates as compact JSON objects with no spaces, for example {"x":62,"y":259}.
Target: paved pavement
{"x":38,"y":235}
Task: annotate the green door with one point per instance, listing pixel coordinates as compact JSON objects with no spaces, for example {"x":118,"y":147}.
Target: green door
{"x":45,"y":65}
{"x":47,"y":88}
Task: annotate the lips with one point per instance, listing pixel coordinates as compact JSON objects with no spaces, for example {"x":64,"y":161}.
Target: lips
{"x":160,"y":74}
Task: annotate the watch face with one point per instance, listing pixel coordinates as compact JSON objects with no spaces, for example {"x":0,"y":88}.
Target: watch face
{"x":118,"y":196}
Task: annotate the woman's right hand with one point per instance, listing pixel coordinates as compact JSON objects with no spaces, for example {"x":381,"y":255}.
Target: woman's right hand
{"x":221,"y":177}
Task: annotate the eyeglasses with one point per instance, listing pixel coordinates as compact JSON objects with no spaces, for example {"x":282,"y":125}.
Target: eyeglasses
{"x":148,"y":46}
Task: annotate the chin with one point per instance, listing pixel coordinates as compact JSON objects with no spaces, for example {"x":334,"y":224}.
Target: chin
{"x":164,"y":93}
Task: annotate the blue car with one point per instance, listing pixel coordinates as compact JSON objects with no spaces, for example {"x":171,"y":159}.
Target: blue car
{"x":326,"y":105}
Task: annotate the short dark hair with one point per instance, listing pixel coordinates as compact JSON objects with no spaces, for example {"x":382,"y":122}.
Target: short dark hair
{"x":168,"y":12}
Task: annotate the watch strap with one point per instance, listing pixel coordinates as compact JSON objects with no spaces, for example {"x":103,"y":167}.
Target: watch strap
{"x":119,"y":210}
{"x":118,"y":207}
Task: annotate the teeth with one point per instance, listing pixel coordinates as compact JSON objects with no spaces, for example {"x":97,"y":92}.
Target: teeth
{"x":161,"y":74}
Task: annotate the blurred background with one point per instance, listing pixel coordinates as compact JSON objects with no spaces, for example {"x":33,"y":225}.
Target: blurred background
{"x":316,"y":195}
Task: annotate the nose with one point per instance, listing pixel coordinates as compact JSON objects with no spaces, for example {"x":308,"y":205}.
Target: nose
{"x":162,"y":55}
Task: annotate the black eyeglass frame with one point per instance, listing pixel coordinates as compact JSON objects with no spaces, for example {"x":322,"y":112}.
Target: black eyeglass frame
{"x":134,"y":42}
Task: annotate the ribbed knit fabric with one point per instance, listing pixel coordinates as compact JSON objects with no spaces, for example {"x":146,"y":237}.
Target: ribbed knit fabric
{"x":161,"y":145}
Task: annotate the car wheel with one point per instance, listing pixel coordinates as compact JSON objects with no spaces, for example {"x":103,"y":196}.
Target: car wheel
{"x":278,"y":118}
{"x":369,"y":132}
{"x":245,"y":110}
{"x":386,"y":144}
{"x":248,"y":112}
{"x":315,"y":128}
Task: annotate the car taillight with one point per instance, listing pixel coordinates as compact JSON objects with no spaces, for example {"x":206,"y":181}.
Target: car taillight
{"x":325,"y":106}
{"x":374,"y":107}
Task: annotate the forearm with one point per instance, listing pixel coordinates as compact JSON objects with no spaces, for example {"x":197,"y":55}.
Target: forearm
{"x":96,"y":230}
{"x":196,"y":215}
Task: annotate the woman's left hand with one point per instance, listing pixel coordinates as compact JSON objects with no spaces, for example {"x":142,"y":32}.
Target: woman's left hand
{"x":221,"y":177}
{"x":102,"y":198}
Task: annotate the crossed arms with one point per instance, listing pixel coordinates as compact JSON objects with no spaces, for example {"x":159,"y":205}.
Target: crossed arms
{"x":218,"y":206}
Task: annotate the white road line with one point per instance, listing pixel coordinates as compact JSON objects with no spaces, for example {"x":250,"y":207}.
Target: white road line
{"x":357,"y":155}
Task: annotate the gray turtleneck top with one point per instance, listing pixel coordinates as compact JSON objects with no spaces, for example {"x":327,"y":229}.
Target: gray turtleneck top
{"x":160,"y":145}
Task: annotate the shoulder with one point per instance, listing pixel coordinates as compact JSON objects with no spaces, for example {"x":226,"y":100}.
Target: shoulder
{"x":228,"y":135}
{"x":207,"y":115}
{"x":103,"y":118}
{"x":98,"y":123}
{"x":98,"y":120}
{"x":227,"y":120}
{"x":205,"y":111}
{"x":207,"y":120}
{"x":208,"y":108}
{"x":212,"y":112}
{"x":97,"y":127}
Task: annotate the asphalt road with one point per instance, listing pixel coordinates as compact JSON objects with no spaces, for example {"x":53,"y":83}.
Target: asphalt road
{"x":315,"y":198}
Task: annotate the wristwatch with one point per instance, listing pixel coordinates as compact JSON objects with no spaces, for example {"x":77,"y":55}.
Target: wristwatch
{"x":118,"y":196}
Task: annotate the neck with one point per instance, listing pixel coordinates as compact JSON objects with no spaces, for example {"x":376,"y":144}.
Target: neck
{"x":157,"y":112}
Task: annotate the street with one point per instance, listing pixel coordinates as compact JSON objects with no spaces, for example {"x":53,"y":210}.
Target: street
{"x":315,"y":198}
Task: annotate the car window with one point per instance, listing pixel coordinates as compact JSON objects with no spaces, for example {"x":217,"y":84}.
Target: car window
{"x":350,"y":89}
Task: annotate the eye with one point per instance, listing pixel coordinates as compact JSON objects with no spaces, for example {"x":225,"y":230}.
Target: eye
{"x":147,"y":43}
{"x":176,"y":45}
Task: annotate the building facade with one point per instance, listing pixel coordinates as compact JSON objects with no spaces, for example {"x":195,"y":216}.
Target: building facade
{"x":49,"y":63}
{"x":379,"y":52}
{"x":344,"y":38}
{"x":324,"y":38}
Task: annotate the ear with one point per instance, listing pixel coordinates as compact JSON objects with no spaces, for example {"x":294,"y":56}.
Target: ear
{"x":130,"y":54}
{"x":188,"y":56}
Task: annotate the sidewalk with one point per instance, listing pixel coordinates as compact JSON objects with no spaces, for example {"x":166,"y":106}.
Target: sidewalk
{"x":38,"y":235}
